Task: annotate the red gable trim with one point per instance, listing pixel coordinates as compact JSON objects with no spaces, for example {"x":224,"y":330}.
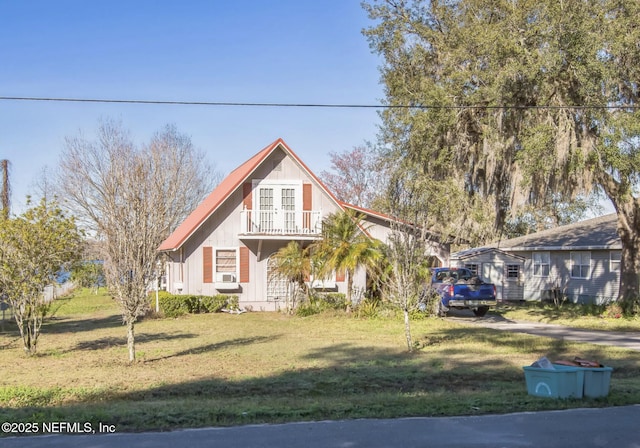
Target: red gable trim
{"x":367,"y":211}
{"x":225,"y":189}
{"x":215,"y":198}
{"x":384,"y":217}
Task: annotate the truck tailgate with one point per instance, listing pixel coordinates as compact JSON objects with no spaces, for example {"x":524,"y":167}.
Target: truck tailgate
{"x":473,"y":292}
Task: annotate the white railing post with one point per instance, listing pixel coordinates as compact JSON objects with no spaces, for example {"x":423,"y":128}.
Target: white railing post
{"x":284,"y":223}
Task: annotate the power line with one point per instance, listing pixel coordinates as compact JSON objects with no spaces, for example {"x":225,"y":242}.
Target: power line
{"x":189,"y":103}
{"x":307,"y":105}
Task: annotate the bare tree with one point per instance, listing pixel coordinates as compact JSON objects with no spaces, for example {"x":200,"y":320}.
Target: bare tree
{"x":356,"y":176}
{"x":131,"y":198}
{"x":405,"y":269}
{"x":43,"y":185}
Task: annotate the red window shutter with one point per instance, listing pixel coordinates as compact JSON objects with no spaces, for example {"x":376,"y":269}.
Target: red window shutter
{"x":340,"y":277}
{"x":244,"y":264}
{"x":306,"y":206}
{"x":246,"y":195}
{"x":207,"y":264}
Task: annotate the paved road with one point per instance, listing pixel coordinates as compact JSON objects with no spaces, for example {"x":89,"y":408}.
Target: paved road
{"x":629,"y":340}
{"x":584,"y":428}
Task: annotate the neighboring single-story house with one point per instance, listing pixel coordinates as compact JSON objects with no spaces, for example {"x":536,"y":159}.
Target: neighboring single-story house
{"x":225,"y":244}
{"x":580,"y":261}
{"x":503,"y":269}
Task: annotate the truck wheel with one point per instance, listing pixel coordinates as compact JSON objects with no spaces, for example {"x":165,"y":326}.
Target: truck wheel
{"x":480,"y":311}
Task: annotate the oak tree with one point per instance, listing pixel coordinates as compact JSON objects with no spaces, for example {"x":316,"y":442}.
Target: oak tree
{"x":514,"y":101}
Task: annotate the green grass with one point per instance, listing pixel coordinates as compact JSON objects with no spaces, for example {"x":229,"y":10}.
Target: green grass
{"x":221,"y":369}
{"x":590,"y":317}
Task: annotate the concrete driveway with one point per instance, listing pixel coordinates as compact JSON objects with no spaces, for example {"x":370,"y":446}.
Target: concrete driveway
{"x":629,"y":340}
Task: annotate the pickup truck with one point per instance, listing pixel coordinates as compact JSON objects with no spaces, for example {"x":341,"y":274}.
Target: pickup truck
{"x":459,"y":288}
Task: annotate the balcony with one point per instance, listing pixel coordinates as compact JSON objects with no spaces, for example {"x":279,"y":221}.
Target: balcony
{"x":276,"y":224}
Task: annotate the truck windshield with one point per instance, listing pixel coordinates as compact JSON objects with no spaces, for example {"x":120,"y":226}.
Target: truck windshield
{"x":456,"y":274}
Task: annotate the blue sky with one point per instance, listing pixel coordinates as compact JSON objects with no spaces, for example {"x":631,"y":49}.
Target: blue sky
{"x":271,"y":51}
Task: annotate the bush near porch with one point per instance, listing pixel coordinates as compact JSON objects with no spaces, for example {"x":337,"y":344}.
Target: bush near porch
{"x":175,"y":305}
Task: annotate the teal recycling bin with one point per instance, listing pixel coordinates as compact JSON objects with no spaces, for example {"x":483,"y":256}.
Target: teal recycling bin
{"x":559,"y":382}
{"x":597,"y":381}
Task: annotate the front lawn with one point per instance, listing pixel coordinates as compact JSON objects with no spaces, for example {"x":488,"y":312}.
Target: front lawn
{"x":591,"y":317}
{"x":222,"y":369}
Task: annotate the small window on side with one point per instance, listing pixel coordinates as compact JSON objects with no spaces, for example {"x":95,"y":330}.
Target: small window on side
{"x":615,"y":258}
{"x":513,"y":271}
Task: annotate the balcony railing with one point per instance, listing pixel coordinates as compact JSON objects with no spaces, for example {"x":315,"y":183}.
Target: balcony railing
{"x":280,"y":222}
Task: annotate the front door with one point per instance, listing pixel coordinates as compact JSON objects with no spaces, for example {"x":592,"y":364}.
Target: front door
{"x":276,"y":206}
{"x":277,"y":286}
{"x":494,"y":273}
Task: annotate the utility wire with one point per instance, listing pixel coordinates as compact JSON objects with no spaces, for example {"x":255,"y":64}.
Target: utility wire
{"x":308,"y":105}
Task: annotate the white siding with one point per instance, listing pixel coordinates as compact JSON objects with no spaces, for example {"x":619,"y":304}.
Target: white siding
{"x":601,"y":286}
{"x":222,"y":229}
{"x":492,"y":268}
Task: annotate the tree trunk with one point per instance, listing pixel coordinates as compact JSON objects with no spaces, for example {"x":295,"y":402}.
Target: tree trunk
{"x":629,"y":233}
{"x":349,"y":290}
{"x":628,"y":212}
{"x":407,"y":330}
{"x":131,"y":345}
{"x":32,"y":330}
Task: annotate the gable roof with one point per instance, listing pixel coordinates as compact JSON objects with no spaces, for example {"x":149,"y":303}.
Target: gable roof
{"x":390,"y":219}
{"x":368,"y":212}
{"x":470,"y":253}
{"x":590,"y":234}
{"x":230,"y":183}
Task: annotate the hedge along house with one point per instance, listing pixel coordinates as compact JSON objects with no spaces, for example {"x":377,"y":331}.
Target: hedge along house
{"x":579,"y":261}
{"x":226,"y":244}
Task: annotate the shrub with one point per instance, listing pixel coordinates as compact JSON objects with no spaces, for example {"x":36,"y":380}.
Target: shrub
{"x":321,"y":302}
{"x":232,"y":302}
{"x":172,"y":305}
{"x":213,"y":304}
{"x":614,"y":311}
{"x":367,"y":309}
{"x":334,"y":300}
{"x":307,"y":309}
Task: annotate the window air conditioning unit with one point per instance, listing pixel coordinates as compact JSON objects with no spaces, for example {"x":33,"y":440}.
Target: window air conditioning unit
{"x":226,"y":277}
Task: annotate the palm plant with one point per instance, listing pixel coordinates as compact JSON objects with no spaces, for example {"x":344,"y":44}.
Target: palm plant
{"x":345,"y":246}
{"x":293,"y":263}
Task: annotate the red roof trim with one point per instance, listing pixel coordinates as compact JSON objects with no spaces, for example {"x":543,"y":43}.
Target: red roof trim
{"x":367,"y":211}
{"x":215,"y":199}
{"x":236,"y":178}
{"x":383,"y":216}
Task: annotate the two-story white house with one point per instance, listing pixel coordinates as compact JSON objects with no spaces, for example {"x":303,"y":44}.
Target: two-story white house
{"x":225,"y":245}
